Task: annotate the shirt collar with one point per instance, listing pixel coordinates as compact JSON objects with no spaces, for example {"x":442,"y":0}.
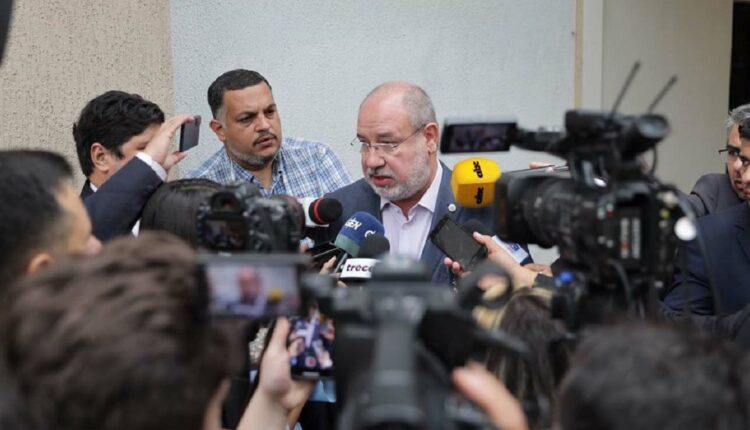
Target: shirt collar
{"x":429,"y":198}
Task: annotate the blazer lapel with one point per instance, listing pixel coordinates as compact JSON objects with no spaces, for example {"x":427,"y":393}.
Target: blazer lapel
{"x":369,"y":202}
{"x":445,"y":205}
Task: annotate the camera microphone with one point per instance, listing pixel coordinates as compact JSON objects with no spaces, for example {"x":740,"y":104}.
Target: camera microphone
{"x":473,"y":182}
{"x":319,"y":212}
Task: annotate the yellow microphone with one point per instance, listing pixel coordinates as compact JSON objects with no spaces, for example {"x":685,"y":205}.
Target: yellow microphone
{"x":473,"y":182}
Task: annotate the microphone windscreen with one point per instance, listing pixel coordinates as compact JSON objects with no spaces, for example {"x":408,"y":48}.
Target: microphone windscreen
{"x":325,"y":210}
{"x":355,"y":230}
{"x":374,"y":246}
{"x":473,"y":225}
{"x":473,"y":182}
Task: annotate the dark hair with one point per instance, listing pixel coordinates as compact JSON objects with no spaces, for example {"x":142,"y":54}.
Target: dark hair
{"x":112,"y":119}
{"x":116,"y":341}
{"x":527,"y":317}
{"x":643,"y":376}
{"x":174,"y":207}
{"x":744,"y":129}
{"x":232,"y":80}
{"x":31,"y":217}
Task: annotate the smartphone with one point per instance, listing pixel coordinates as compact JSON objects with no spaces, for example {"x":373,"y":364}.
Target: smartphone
{"x":189,"y":133}
{"x":457,"y":243}
{"x":310,"y":343}
{"x":252,"y":286}
{"x":478,"y":135}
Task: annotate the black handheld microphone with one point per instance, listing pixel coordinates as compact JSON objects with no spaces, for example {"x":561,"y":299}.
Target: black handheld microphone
{"x":321,"y":211}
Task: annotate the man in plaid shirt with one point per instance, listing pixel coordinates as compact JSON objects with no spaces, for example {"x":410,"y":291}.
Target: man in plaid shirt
{"x":246,"y":121}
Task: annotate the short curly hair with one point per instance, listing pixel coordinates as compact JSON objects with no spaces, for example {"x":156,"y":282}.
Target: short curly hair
{"x":117,"y":341}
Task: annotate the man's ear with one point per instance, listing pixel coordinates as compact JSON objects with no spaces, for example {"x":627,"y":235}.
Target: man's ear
{"x":100,"y":158}
{"x":217,"y":128}
{"x":39,"y":261}
{"x":431,"y":134}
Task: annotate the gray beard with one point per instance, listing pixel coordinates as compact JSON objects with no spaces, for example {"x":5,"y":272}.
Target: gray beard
{"x":415,"y":182}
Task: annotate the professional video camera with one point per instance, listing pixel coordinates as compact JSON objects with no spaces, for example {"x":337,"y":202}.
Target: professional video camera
{"x":238,"y":218}
{"x":397,"y":341}
{"x":612,"y":221}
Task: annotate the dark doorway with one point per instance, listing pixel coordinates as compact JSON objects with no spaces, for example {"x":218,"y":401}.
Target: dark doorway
{"x":739,"y":81}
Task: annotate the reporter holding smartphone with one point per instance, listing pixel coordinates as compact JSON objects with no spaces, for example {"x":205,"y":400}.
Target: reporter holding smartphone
{"x":124,"y":149}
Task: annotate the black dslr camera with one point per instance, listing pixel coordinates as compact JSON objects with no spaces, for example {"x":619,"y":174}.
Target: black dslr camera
{"x":613,"y":222}
{"x":238,"y":219}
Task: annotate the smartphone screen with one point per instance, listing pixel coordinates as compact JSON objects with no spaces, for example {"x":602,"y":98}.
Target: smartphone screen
{"x":457,"y":244}
{"x":253,"y":286}
{"x":310,"y":344}
{"x":189,"y":132}
{"x":477,"y":136}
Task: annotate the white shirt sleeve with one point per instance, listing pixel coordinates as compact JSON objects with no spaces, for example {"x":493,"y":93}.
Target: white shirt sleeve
{"x":154,"y":165}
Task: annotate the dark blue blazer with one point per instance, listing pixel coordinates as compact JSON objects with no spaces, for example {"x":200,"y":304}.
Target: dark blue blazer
{"x":726,"y":235}
{"x":359,"y":196}
{"x":712,"y":193}
{"x":116,"y":206}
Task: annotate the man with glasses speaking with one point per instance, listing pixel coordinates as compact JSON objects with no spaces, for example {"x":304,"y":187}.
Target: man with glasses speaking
{"x":405,"y":185}
{"x":716,"y":191}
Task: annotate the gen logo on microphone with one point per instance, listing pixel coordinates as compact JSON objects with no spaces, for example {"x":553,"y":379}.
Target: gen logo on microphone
{"x":353,"y":224}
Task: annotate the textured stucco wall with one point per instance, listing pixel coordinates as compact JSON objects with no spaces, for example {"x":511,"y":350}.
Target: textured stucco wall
{"x":62,"y":53}
{"x":689,"y":38}
{"x":473,"y":57}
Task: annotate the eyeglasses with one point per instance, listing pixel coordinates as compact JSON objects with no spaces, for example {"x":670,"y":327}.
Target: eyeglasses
{"x":387,"y":148}
{"x":730,"y":152}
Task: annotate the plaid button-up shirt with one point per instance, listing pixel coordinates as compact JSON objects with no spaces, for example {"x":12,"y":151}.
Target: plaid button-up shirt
{"x":303,"y":168}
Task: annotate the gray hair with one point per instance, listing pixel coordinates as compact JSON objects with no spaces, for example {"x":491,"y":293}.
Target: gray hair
{"x":737,"y":116}
{"x":417,"y":103}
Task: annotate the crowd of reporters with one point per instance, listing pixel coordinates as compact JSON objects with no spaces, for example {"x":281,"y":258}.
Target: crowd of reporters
{"x":117,"y":336}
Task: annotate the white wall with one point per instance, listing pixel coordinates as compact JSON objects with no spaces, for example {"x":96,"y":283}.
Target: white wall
{"x":473,"y":57}
{"x":690,"y":38}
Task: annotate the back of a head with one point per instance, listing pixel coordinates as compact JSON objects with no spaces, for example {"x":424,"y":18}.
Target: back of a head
{"x":644,"y":376}
{"x":174,"y":206}
{"x":229,"y":81}
{"x":31,"y":217}
{"x":116,"y":341}
{"x":527,"y":317}
{"x":111,"y":119}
